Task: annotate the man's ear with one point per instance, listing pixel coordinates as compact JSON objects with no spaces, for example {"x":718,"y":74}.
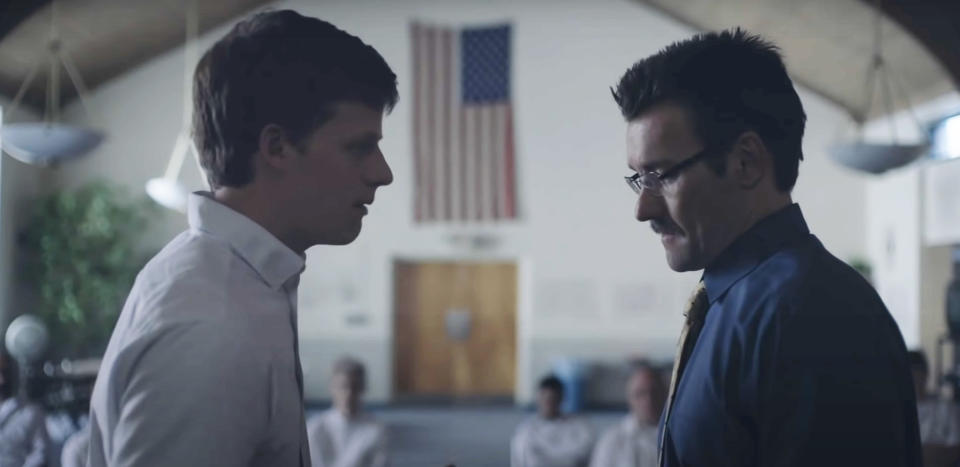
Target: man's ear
{"x":274,"y":147}
{"x":750,"y":162}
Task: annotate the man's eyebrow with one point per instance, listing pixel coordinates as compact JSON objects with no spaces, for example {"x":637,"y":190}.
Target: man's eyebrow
{"x":655,"y":166}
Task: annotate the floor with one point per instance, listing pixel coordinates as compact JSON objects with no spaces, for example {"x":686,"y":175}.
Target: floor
{"x":462,"y":436}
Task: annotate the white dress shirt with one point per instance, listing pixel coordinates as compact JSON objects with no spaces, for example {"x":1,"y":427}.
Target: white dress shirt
{"x":560,"y":442}
{"x":627,"y":444}
{"x":202,"y":368}
{"x":336,"y":441}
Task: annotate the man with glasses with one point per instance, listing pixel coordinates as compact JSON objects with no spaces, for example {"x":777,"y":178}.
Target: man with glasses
{"x":787,"y":356}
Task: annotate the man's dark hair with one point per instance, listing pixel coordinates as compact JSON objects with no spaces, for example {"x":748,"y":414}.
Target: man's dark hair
{"x":638,"y":364}
{"x":729,"y":82}
{"x":280,"y":68}
{"x":552,"y":383}
{"x":8,"y":371}
{"x":918,"y":361}
{"x":642,"y":364}
{"x":352,"y":368}
{"x":19,"y":381}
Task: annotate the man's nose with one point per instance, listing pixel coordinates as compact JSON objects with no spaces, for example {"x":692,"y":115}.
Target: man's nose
{"x":649,"y":206}
{"x":380,"y":173}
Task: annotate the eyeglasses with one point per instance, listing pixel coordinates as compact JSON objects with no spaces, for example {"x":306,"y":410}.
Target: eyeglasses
{"x":653,"y":181}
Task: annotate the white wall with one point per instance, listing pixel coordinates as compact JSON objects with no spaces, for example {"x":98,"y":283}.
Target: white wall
{"x":910,"y":274}
{"x":894,"y":246}
{"x":594,"y":282}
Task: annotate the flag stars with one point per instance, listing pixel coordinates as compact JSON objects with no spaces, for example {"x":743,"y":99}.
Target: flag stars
{"x":485,"y":64}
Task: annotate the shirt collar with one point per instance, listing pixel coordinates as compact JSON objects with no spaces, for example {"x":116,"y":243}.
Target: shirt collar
{"x":275,"y":262}
{"x":8,"y":406}
{"x":766,"y":237}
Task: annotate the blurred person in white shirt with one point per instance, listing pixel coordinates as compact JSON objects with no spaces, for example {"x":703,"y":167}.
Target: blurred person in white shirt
{"x":344,"y":435}
{"x":939,"y":418}
{"x":24,"y":441}
{"x":551,"y":438}
{"x":633,"y":441}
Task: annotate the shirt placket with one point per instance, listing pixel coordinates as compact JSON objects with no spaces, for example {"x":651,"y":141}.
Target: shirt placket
{"x":291,"y":290}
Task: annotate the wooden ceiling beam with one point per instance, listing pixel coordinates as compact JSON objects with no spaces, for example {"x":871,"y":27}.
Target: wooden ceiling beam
{"x":12,"y":12}
{"x":934,"y":23}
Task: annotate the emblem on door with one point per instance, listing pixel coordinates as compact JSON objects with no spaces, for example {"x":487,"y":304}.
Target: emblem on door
{"x":458,"y":323}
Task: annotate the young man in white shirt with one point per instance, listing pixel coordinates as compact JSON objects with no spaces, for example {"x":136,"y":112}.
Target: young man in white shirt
{"x":344,"y":435}
{"x":551,"y":438}
{"x":203,"y":366}
{"x":633,"y":441}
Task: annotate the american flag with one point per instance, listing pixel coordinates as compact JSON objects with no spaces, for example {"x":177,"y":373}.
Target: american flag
{"x":463,"y":124}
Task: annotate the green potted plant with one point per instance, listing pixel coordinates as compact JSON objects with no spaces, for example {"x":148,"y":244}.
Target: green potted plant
{"x":862,"y":265}
{"x":82,"y":257}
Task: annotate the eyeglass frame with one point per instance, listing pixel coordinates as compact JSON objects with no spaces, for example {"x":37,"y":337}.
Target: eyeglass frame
{"x":636,"y":184}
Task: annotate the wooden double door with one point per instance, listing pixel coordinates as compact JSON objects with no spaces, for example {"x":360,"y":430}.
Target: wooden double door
{"x":455,"y":329}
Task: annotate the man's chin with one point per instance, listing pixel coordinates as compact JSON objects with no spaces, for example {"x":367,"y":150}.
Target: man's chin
{"x":680,"y":262}
{"x":344,"y":236}
{"x":678,"y":267}
{"x":684,"y":264}
{"x":348,"y":237}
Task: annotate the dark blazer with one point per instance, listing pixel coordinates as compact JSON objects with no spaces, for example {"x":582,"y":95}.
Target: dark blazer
{"x":799,"y":363}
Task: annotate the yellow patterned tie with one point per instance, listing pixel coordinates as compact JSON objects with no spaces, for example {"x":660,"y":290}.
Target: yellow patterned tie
{"x":695,"y":312}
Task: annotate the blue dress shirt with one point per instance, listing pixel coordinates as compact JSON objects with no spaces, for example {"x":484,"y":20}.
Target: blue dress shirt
{"x":798,"y":364}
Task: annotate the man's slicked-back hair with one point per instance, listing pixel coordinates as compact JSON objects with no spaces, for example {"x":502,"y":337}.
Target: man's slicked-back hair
{"x":728,"y":82}
{"x":282,"y":68}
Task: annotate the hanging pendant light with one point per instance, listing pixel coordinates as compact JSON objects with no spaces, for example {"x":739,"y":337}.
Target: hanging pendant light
{"x":50,"y":142}
{"x":873,"y":157}
{"x":167,"y":190}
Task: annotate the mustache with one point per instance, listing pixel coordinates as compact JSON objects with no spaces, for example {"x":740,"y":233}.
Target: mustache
{"x":664,"y":226}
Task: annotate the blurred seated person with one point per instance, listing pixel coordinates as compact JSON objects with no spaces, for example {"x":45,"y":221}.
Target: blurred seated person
{"x":23,"y":432}
{"x":939,"y":419}
{"x":76,"y":449}
{"x":550,"y":438}
{"x":344,"y":436}
{"x":633,"y":441}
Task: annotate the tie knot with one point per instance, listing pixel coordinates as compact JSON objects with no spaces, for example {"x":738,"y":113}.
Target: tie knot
{"x":698,"y":305}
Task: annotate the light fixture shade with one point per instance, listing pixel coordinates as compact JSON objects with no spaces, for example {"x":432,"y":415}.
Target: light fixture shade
{"x":168,"y":193}
{"x":48,"y":143}
{"x":875,"y":158}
